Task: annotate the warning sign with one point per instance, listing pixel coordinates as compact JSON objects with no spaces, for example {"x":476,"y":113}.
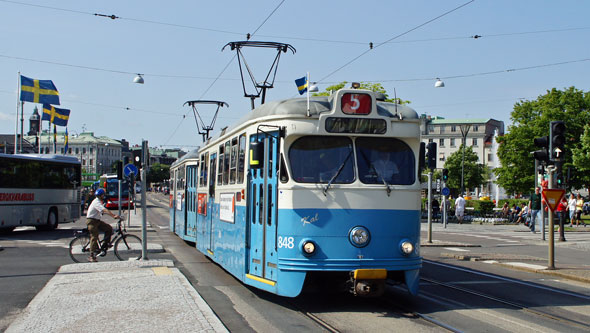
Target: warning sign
{"x":552,"y":197}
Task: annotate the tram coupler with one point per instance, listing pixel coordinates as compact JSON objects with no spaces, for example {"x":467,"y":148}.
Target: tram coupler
{"x":367,"y":282}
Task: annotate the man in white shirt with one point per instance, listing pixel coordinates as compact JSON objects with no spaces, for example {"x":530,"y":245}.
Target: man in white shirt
{"x":460,"y":208}
{"x":95,"y":225}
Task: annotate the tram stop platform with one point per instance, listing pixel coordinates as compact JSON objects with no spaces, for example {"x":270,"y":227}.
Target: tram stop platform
{"x":130,"y":296}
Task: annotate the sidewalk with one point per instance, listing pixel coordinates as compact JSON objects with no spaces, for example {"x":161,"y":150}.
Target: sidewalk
{"x":572,"y":266}
{"x":122,"y":296}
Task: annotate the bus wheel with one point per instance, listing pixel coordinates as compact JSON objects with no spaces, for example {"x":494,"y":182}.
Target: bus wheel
{"x":7,"y":230}
{"x":51,"y":221}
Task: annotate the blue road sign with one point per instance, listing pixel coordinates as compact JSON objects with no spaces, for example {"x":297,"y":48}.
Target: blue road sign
{"x":446,"y":191}
{"x":129,"y":168}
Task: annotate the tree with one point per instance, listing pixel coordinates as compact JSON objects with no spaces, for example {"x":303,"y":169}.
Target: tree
{"x":376,"y":87}
{"x":158,"y":173}
{"x":530,"y":119}
{"x":581,"y":158}
{"x":474,"y":174}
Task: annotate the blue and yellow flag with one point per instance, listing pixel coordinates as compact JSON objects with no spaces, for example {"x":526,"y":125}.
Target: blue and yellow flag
{"x":66,"y":140}
{"x":55,"y":116}
{"x":301,"y":85}
{"x":38,"y":91}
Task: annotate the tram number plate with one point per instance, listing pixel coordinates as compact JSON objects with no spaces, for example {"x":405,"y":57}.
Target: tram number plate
{"x":286,"y":242}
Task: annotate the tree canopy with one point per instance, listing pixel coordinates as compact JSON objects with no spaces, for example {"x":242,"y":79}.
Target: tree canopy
{"x":474,"y":173}
{"x":377,"y":87}
{"x":531,"y":119}
{"x":158,"y":173}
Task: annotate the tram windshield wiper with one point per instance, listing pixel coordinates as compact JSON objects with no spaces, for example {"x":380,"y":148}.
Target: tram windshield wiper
{"x":337,"y":173}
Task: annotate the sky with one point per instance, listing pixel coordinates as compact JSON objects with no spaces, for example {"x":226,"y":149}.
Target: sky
{"x":526,"y":48}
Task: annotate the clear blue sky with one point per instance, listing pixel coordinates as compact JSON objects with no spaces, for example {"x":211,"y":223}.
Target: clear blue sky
{"x":165,"y":40}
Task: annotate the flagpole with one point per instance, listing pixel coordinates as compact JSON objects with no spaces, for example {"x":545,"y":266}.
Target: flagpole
{"x":54,"y":139}
{"x":307,"y":83}
{"x":40,"y":130}
{"x":16,"y":120}
{"x":22,"y":119}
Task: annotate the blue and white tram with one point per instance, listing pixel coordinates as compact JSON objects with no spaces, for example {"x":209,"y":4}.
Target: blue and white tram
{"x":330,"y":193}
{"x":183,"y":192}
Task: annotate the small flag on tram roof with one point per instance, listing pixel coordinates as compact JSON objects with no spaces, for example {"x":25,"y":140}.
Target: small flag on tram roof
{"x":38,"y":91}
{"x":55,"y":115}
{"x":301,"y":85}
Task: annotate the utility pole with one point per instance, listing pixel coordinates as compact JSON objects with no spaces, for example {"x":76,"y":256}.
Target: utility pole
{"x":464,"y":132}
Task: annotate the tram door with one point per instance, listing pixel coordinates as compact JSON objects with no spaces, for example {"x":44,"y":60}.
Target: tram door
{"x":211,"y":201}
{"x":173,"y":201}
{"x":263,"y":210}
{"x":190,"y":223}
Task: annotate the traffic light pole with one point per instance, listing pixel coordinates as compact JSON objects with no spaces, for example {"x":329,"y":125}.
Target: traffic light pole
{"x":429,"y":206}
{"x":551,"y":258}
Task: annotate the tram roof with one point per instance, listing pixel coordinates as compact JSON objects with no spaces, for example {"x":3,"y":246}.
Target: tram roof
{"x":317,"y":105}
{"x":193,"y":154}
{"x":43,"y":157}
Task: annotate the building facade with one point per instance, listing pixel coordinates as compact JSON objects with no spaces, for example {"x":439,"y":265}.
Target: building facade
{"x":448,"y":134}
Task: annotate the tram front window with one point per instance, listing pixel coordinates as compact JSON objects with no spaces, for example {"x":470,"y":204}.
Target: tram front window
{"x":321,"y":159}
{"x":385,"y":160}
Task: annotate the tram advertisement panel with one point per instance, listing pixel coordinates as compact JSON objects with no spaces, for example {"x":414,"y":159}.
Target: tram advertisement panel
{"x":226,"y":207}
{"x":202,"y":204}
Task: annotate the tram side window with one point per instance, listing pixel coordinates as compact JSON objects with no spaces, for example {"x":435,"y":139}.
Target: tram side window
{"x":203,"y":171}
{"x":234,"y":161}
{"x":241,"y":158}
{"x":226,"y":163}
{"x":180,"y":179}
{"x":220,"y":170}
{"x":318,"y":159}
{"x":385,"y":159}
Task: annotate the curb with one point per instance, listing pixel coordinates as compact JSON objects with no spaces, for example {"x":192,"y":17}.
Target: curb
{"x":548,"y":272}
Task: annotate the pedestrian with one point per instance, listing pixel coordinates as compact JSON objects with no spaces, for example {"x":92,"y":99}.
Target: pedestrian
{"x":534,"y":207}
{"x":435,"y":208}
{"x":460,"y":208}
{"x":522,"y":215}
{"x":561,"y":212}
{"x":571,"y":205}
{"x":505,"y":210}
{"x":579,"y":208}
{"x":515,"y":213}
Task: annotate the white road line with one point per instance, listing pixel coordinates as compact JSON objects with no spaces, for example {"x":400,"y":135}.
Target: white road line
{"x":525,"y":265}
{"x":456,"y":249}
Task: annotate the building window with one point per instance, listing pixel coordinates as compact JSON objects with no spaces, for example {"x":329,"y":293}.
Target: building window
{"x":490,"y":157}
{"x":441,"y":142}
{"x":441,"y":156}
{"x":83,"y":161}
{"x":70,"y":151}
{"x":77,"y":151}
{"x":442,"y":129}
{"x":476,"y":128}
{"x":453,"y":128}
{"x":91,"y":150}
{"x":452,"y":142}
{"x":90,"y":162}
{"x":430,"y":129}
{"x":430,"y":141}
{"x":474,"y":142}
{"x":83,"y":150}
{"x":62,"y":151}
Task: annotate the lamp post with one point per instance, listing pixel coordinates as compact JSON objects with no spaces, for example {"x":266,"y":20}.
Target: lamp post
{"x":464,"y":132}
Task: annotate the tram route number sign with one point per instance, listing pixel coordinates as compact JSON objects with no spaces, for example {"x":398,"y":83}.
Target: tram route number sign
{"x":552,"y":197}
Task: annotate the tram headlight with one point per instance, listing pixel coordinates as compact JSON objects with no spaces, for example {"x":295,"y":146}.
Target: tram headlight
{"x":406,"y":247}
{"x":308,"y":247}
{"x":359,"y":236}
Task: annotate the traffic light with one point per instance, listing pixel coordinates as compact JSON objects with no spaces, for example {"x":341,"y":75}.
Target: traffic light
{"x":431,"y":155}
{"x":557,"y":141}
{"x":445,"y":174}
{"x":119,"y":170}
{"x":542,"y":154}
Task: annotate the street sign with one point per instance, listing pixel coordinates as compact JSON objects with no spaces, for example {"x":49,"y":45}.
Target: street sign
{"x":129,"y":168}
{"x":552,"y":197}
{"x":446,"y":191}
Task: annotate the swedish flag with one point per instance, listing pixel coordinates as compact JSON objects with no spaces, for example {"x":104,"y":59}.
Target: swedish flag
{"x":55,"y":116}
{"x":38,"y":91}
{"x":301,"y":85}
{"x":66,"y":142}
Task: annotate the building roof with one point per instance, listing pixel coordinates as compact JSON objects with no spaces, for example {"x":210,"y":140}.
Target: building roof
{"x":83,"y":138}
{"x":442,"y":121}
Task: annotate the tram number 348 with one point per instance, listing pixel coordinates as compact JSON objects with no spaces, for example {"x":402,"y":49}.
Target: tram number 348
{"x":286,"y":242}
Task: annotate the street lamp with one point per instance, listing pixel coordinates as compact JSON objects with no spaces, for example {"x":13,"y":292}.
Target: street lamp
{"x":138,"y":79}
{"x":439,"y":83}
{"x":464,"y":132}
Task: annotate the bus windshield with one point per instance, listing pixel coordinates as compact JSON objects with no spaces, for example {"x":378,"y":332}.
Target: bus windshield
{"x":386,"y":160}
{"x":317,"y":159}
{"x":113,"y":189}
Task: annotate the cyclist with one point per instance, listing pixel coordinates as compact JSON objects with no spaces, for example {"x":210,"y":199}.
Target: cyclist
{"x":95,"y":211}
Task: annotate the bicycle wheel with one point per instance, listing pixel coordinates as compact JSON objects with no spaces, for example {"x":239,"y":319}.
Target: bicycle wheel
{"x":80,"y":248}
{"x":128,"y":247}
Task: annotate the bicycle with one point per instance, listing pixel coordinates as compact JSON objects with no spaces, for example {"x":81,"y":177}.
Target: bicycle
{"x":125,"y":246}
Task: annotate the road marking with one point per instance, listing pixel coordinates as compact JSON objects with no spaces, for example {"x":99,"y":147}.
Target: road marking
{"x":525,"y":265}
{"x":456,"y":249}
{"x":165,"y":227}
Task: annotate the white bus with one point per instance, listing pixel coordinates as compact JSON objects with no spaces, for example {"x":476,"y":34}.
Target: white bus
{"x":38,"y":190}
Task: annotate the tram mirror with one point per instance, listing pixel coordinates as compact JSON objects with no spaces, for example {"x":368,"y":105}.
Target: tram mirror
{"x":422,"y":158}
{"x":256,"y":155}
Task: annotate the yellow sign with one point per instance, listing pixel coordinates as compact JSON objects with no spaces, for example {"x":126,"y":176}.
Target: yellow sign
{"x":552,"y":197}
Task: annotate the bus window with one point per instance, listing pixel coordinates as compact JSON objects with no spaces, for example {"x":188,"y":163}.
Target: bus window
{"x":385,"y":159}
{"x":317,"y":159}
{"x":241,"y":158}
